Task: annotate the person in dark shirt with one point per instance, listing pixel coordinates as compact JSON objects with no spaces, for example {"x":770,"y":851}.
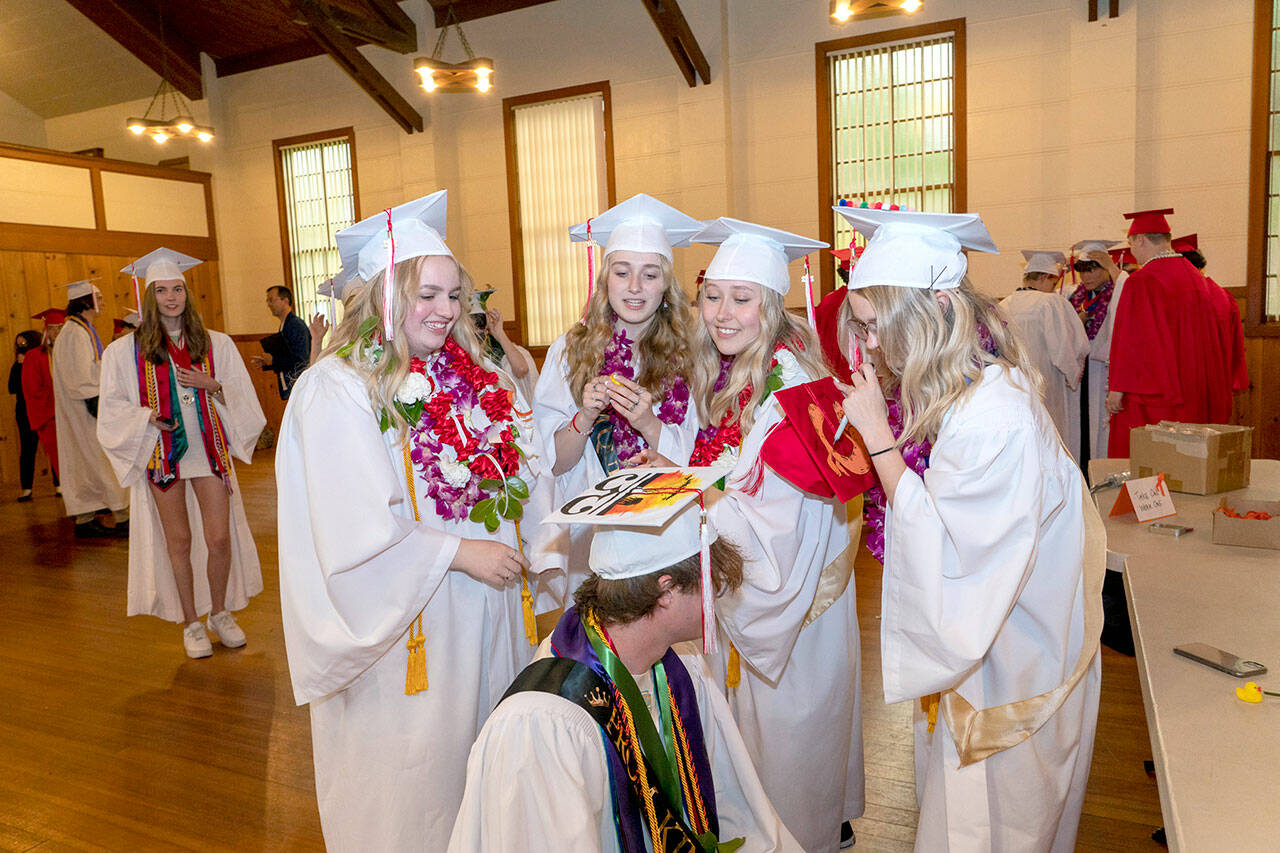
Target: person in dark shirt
{"x":288,"y":351}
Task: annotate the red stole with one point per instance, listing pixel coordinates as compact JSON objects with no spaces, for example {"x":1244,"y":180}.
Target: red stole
{"x":159,"y":389}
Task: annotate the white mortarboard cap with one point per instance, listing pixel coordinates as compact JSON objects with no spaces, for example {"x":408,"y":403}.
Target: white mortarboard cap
{"x":417,"y":229}
{"x":908,"y":248}
{"x":133,"y":318}
{"x":1084,"y":247}
{"x":1044,"y":260}
{"x":85,"y":287}
{"x":161,"y":265}
{"x":639,"y":224}
{"x":628,"y":552}
{"x":750,"y":252}
{"x":336,"y":285}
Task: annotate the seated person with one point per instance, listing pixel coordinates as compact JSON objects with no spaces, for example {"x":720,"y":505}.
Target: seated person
{"x":552,"y":767}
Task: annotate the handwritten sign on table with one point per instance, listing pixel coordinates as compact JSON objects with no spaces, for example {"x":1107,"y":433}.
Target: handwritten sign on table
{"x":1148,"y":498}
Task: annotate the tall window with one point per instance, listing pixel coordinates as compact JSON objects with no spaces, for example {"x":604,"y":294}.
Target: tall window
{"x":316,"y":187}
{"x":1264,"y":189}
{"x":559,"y":173}
{"x":891,"y":111}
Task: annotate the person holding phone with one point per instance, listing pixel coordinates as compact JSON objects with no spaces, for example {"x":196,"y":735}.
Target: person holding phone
{"x":176,"y":403}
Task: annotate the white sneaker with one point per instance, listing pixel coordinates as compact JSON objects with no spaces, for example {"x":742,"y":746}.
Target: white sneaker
{"x":196,"y":641}
{"x":224,"y":625}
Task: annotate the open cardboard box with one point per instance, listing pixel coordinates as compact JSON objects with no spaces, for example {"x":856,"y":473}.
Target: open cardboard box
{"x":1202,"y":459}
{"x":1249,"y":532}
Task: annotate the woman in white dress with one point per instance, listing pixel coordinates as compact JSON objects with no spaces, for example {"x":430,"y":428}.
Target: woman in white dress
{"x":411,"y":479}
{"x":175,"y":404}
{"x":616,"y":383}
{"x":994,"y":557}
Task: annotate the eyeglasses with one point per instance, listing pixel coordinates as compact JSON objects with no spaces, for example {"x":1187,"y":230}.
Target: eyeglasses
{"x":863,"y":331}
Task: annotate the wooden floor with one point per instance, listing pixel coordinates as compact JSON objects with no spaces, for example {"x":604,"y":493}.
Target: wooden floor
{"x":110,"y":738}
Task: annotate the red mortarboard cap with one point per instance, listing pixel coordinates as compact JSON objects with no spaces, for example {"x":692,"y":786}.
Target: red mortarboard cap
{"x":1122,"y":256}
{"x":1188,"y":243}
{"x":1149,"y":221}
{"x":51,"y":316}
{"x":843,"y":255}
{"x":801,"y":451}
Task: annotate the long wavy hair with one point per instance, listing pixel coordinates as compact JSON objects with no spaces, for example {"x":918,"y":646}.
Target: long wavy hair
{"x":933,"y":353}
{"x":153,"y":340}
{"x":363,"y":300}
{"x":751,"y":366}
{"x":661,"y":351}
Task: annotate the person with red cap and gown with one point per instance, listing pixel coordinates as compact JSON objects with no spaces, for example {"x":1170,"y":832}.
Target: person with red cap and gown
{"x":1168,"y":362}
{"x":37,"y":387}
{"x":1228,"y":315}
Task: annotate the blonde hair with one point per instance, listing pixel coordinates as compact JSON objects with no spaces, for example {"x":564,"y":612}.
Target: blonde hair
{"x":751,"y":366}
{"x":365,"y":301}
{"x":661,"y":352}
{"x":934,"y":353}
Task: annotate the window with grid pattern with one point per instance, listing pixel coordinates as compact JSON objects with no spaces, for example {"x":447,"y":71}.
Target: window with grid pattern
{"x":893,"y":129}
{"x":1271,"y":277}
{"x":318,"y":198}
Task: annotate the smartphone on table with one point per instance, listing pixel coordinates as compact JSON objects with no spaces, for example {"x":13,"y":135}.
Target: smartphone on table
{"x":1223,"y":661}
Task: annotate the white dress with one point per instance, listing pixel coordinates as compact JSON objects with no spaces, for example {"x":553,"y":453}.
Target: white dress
{"x":88,"y":483}
{"x":1055,"y":342}
{"x":538,"y":778}
{"x":355,"y":571}
{"x":983,"y":593}
{"x":1097,"y":365}
{"x":553,"y":407}
{"x":798,"y":704}
{"x":128,"y":438}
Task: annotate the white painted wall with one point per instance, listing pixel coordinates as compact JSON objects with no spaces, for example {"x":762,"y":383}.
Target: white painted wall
{"x":1070,"y":125}
{"x":20,"y":125}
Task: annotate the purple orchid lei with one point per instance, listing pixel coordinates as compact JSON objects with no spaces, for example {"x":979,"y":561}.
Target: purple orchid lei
{"x":1094,"y":304}
{"x":675,"y":397}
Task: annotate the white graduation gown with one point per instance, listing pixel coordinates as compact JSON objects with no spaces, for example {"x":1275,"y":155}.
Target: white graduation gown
{"x":128,"y":439}
{"x":1055,"y":342}
{"x":538,"y":777}
{"x":798,"y":704}
{"x":1096,"y":365}
{"x":553,"y":407}
{"x":88,"y":483}
{"x":355,"y":570}
{"x":983,"y":593}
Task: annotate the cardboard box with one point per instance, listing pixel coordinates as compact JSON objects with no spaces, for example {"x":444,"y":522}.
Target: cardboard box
{"x":1251,"y":533}
{"x":1201,"y":459}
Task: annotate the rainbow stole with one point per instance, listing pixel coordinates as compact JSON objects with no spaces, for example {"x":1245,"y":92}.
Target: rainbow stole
{"x":77,"y":320}
{"x":577,"y":675}
{"x":158,"y":386}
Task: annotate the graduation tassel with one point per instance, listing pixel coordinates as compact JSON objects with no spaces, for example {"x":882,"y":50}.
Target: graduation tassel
{"x":929,"y":705}
{"x":415,"y":677}
{"x":591,"y":275}
{"x":808,"y":295}
{"x":733,"y":670}
{"x":388,"y":285}
{"x":137,"y":291}
{"x":526,"y":597}
{"x":708,"y":590}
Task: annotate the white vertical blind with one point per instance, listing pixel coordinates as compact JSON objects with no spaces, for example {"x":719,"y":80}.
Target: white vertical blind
{"x":560,"y":167}
{"x":1271,"y":271}
{"x":319,"y":202}
{"x":893,"y":126}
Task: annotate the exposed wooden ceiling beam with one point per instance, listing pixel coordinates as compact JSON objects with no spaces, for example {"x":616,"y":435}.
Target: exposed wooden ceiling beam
{"x":350,"y":60}
{"x":392,"y":31}
{"x":680,"y":40}
{"x":470,"y":10}
{"x":137,"y":28}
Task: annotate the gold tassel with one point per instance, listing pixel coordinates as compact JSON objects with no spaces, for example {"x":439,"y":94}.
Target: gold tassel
{"x":526,"y":597}
{"x":415,"y":677}
{"x":733,"y":673}
{"x":929,"y":705}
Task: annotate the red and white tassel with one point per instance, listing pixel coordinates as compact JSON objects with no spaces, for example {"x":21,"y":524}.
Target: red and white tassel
{"x":708,"y":588}
{"x":388,"y":285}
{"x":591,"y":274}
{"x":137,"y":291}
{"x":808,"y":295}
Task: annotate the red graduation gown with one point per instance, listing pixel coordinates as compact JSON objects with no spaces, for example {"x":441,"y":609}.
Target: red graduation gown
{"x":827,"y":316}
{"x":37,"y":390}
{"x":1168,"y":356}
{"x":1233,"y":336}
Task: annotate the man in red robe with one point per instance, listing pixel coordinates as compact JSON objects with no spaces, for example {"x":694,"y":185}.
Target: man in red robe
{"x":1169,"y":361}
{"x":1228,"y":316}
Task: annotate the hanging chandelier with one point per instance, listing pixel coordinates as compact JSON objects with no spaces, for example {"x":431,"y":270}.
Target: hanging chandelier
{"x":172,"y":117}
{"x":436,"y":75}
{"x":843,"y":10}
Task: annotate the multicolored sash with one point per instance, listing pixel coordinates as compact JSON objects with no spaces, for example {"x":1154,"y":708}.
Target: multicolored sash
{"x":77,"y":320}
{"x":158,"y":386}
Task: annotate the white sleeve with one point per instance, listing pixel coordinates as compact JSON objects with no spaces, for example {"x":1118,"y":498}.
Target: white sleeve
{"x":1069,"y":343}
{"x":355,"y":568}
{"x":1100,"y":346}
{"x":960,"y":545}
{"x":124,"y":424}
{"x":553,"y":403}
{"x":242,"y":413}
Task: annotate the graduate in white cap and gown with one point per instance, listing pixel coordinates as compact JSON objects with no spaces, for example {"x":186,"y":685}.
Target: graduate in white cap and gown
{"x":1095,"y":300}
{"x":89,"y":487}
{"x":790,"y":652}
{"x":994,"y":557}
{"x":617,"y":382}
{"x":177,"y":404}
{"x":619,"y":702}
{"x":411,"y":485}
{"x":1052,"y":336}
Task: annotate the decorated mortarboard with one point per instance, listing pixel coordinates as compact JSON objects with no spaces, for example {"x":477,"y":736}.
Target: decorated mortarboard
{"x":639,"y":224}
{"x":646,"y":522}
{"x":805,"y":449}
{"x":161,"y":265}
{"x":1044,"y":260}
{"x":1082,"y":248}
{"x":51,"y":317}
{"x":415,"y":229}
{"x":908,"y":248}
{"x":1149,"y":221}
{"x":1189,"y":243}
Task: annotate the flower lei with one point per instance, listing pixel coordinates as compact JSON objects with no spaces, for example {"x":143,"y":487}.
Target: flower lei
{"x":463,"y":437}
{"x":675,"y":397}
{"x":1094,"y":304}
{"x":719,"y":443}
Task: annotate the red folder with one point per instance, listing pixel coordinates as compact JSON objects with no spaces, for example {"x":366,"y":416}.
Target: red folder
{"x":802,"y":448}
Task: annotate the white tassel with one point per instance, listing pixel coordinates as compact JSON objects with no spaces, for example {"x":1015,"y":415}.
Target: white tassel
{"x":708,"y":589}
